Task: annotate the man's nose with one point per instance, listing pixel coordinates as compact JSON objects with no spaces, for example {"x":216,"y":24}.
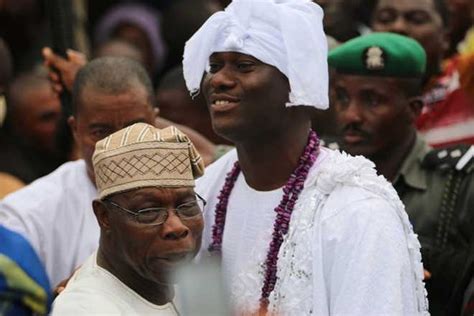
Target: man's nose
{"x":223,"y":79}
{"x":173,"y":227}
{"x":353,"y":113}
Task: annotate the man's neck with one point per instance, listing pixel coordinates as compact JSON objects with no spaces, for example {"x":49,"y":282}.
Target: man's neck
{"x":267,"y":164}
{"x":391,"y":161}
{"x":153,"y":292}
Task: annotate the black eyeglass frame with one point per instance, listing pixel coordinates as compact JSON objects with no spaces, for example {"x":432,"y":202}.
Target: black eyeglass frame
{"x":160,"y":209}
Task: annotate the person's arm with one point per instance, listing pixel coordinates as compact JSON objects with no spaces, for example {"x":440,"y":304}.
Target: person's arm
{"x":8,"y":184}
{"x":62,"y":72}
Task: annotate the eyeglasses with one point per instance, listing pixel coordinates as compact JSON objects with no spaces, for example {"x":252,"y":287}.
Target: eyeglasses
{"x":154,"y":216}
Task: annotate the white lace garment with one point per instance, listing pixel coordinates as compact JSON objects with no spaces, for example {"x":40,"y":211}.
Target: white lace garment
{"x":350,"y":249}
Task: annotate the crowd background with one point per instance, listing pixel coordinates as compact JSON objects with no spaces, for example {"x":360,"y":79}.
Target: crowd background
{"x":154,"y":33}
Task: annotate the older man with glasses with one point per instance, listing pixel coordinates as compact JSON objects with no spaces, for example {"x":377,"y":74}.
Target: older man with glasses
{"x":150,"y":221}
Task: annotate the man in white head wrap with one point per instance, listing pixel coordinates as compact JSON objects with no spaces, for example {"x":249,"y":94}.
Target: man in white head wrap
{"x":279,"y":33}
{"x":301,"y":229}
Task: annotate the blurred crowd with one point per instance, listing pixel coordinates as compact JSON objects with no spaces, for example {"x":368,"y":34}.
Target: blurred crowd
{"x":151,"y":32}
{"x":154,"y":32}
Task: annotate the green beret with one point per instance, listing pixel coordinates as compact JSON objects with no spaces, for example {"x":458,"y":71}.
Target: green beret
{"x":379,"y":54}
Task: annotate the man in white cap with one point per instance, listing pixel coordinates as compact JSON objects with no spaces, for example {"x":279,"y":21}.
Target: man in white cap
{"x":150,"y":222}
{"x":301,"y":229}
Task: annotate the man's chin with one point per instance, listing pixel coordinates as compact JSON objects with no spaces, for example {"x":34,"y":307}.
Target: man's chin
{"x":228,"y":130}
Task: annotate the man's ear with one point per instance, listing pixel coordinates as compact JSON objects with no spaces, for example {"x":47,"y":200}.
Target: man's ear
{"x":72,"y":122}
{"x":415,"y":105}
{"x":102,"y":214}
{"x":156,"y":112}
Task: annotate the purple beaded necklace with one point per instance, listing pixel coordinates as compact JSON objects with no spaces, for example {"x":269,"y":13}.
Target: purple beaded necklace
{"x":291,"y":191}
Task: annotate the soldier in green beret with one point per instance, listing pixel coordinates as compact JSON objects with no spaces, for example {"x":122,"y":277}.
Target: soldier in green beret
{"x":375,"y":88}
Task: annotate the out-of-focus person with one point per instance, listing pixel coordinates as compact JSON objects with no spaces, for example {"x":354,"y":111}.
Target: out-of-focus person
{"x":180,"y":20}
{"x":346,"y":19}
{"x":178,"y":106}
{"x":191,"y":113}
{"x":28,"y":138}
{"x":138,"y":24}
{"x":460,"y":20}
{"x":119,"y":48}
{"x":8,"y":182}
{"x":23,"y":26}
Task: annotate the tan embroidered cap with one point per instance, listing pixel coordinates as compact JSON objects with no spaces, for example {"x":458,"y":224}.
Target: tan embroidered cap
{"x":142,"y":155}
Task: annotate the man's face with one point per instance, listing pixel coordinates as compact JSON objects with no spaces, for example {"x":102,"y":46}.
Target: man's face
{"x":154,"y":252}
{"x":372,"y":112}
{"x":99,"y":115}
{"x":417,"y":19}
{"x":38,"y":117}
{"x":245,"y":97}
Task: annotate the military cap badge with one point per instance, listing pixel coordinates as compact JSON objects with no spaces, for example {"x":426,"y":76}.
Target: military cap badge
{"x":374,"y":58}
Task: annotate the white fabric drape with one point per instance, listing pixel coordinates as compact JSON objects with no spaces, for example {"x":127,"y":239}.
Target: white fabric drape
{"x":285,"y":34}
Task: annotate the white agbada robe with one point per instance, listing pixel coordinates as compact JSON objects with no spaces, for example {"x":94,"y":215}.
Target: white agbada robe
{"x":95,"y":291}
{"x":350,"y":249}
{"x":54,"y":213}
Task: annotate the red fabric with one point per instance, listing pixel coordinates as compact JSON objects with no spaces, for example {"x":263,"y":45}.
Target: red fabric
{"x":448,"y":115}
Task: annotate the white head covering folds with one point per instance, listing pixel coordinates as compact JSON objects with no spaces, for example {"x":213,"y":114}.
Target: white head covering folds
{"x":287,"y":34}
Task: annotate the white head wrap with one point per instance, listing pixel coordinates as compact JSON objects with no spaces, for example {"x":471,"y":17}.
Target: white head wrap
{"x":287,"y":34}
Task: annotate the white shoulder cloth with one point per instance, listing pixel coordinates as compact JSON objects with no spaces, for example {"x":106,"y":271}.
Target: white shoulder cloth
{"x":305,"y":287}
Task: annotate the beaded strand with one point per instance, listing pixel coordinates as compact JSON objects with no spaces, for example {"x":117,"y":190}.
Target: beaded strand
{"x":291,"y":191}
{"x":221,"y":208}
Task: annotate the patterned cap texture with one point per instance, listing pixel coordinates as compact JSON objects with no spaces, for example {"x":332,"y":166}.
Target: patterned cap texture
{"x":141,"y":156}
